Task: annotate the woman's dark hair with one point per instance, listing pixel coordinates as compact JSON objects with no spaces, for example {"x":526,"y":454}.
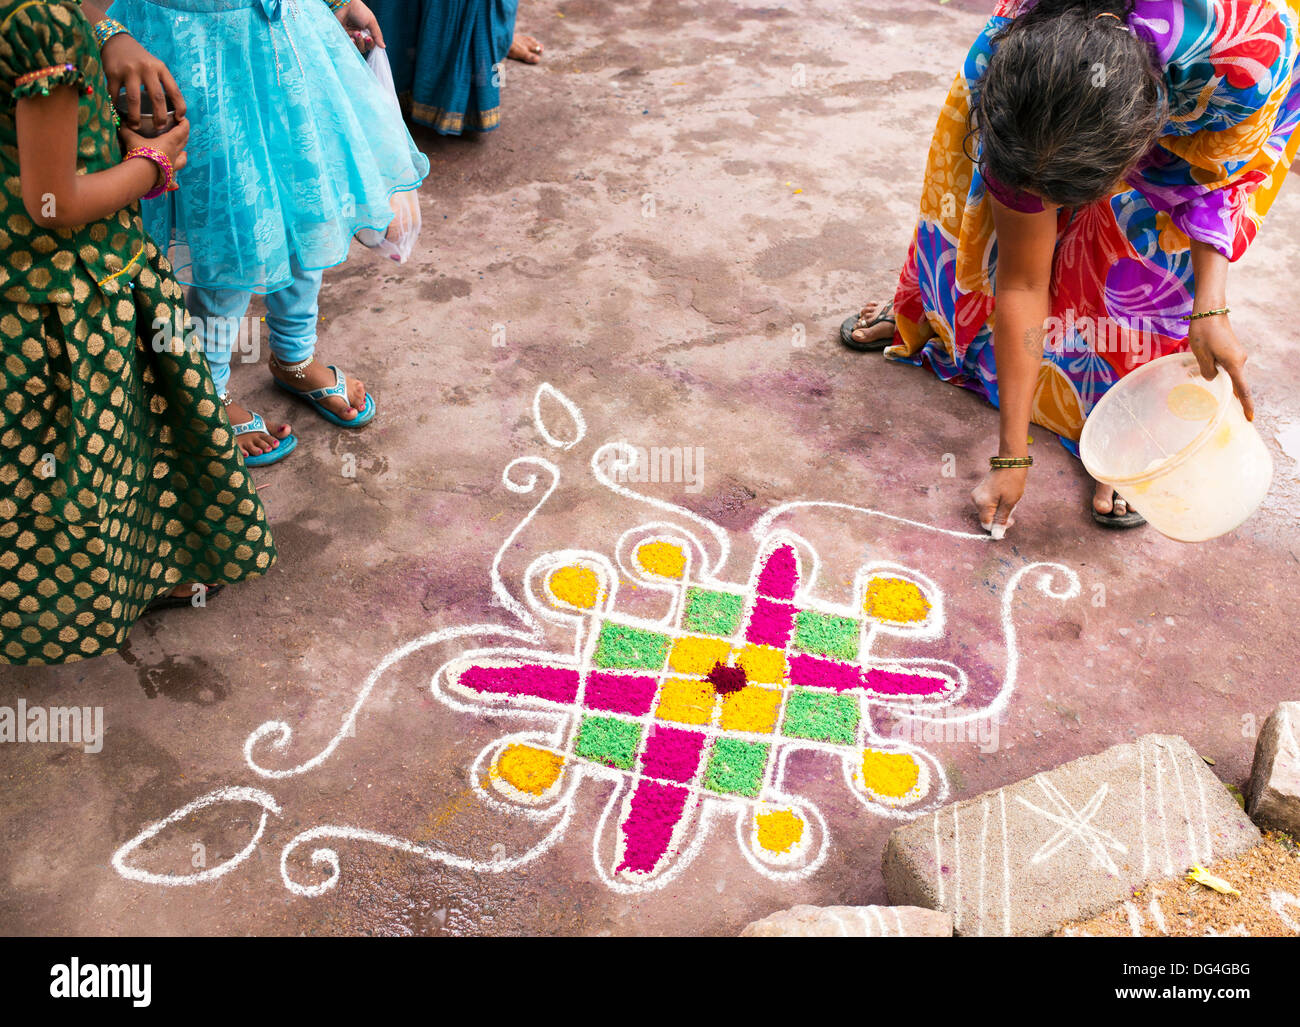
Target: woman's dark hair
{"x":1070,"y":101}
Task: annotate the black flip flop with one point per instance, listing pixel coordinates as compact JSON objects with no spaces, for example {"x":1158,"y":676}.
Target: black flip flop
{"x":1132,"y":519}
{"x":851,"y":323}
{"x":172,"y":602}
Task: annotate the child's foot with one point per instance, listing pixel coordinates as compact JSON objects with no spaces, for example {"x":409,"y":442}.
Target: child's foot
{"x":318,"y":376}
{"x":526,"y":49}
{"x":254,"y":443}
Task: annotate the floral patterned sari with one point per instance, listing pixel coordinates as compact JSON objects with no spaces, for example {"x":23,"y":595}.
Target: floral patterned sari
{"x":1122,"y":272}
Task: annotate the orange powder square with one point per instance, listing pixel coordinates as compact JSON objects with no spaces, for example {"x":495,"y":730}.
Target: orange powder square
{"x":763,"y":664}
{"x":751,"y":709}
{"x":686,"y":702}
{"x":694,"y":655}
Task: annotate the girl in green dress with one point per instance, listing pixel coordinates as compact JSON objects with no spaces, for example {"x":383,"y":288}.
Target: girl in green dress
{"x":120,"y":478}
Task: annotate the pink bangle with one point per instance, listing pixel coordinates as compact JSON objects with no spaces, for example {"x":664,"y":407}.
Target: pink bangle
{"x":165,"y":168}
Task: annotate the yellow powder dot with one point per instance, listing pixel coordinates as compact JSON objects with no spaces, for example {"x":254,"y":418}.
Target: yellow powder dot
{"x":779,"y":831}
{"x":762,"y":664}
{"x":530,"y":770}
{"x":750,"y":709}
{"x":896,"y":600}
{"x":686,"y":702}
{"x":692,"y":655}
{"x":578,"y":586}
{"x":891,"y":774}
{"x":662,"y":559}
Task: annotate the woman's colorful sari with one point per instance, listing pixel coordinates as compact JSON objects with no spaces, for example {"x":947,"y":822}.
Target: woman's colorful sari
{"x":1122,"y":276}
{"x":448,"y":56}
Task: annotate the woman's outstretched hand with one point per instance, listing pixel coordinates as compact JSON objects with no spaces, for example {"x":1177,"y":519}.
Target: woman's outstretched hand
{"x":129,"y":66}
{"x":996,"y":497}
{"x":1215,"y":345}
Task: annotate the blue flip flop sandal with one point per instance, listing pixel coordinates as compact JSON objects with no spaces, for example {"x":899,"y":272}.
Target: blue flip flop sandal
{"x":339,"y":388}
{"x":287,"y":444}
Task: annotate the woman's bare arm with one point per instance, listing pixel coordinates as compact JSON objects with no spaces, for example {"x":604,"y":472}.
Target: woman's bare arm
{"x":1026,"y":245}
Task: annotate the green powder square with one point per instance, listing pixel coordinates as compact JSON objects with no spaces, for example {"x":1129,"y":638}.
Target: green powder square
{"x":826,"y":635}
{"x":628,"y":648}
{"x":713,"y":613}
{"x":736,"y":767}
{"x":821,"y":716}
{"x":608,"y":741}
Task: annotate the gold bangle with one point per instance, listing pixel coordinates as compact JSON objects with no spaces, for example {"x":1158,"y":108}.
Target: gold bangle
{"x":1206,"y":313}
{"x":999,"y":463}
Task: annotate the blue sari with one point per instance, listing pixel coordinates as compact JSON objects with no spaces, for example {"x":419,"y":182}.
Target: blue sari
{"x":445,"y":56}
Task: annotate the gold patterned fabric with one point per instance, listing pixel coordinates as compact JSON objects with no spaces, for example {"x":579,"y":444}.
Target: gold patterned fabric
{"x":119,"y":473}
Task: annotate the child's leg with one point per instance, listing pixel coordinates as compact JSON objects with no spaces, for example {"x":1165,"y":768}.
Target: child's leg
{"x":292,"y":316}
{"x":216,"y":317}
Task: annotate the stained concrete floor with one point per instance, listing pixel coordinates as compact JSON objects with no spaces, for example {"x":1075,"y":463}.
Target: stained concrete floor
{"x":775,"y":204}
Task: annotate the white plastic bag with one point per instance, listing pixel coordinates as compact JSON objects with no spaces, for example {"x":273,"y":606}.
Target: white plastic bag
{"x":397,"y":242}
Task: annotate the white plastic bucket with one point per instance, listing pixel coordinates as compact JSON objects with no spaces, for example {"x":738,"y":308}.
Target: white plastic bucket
{"x":1178,"y":449}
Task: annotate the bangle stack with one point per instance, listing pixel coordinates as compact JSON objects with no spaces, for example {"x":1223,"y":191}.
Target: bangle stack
{"x":999,"y":463}
{"x":105,"y":29}
{"x":1206,"y":313}
{"x":166,"y":173}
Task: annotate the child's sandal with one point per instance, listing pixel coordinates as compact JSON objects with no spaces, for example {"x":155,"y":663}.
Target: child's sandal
{"x":340,"y":389}
{"x":287,"y":444}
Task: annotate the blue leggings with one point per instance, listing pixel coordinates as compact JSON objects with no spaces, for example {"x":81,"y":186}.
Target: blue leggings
{"x":219,"y":324}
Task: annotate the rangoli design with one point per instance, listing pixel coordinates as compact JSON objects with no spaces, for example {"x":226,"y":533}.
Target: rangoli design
{"x":691,"y":715}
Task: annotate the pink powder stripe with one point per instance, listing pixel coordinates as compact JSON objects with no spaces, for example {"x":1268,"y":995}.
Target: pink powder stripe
{"x":780,"y":575}
{"x":619,"y":693}
{"x":671,"y":753}
{"x":770,"y":623}
{"x":557,"y":684}
{"x":890,"y":682}
{"x":655,"y":810}
{"x":819,"y":673}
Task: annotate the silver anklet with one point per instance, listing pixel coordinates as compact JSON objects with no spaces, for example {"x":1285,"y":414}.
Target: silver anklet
{"x":226,"y":398}
{"x":297,"y":370}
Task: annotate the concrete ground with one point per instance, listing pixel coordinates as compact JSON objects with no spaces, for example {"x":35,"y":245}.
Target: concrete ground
{"x":779,"y":150}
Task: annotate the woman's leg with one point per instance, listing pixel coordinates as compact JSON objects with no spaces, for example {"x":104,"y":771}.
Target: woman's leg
{"x":292,"y":316}
{"x":216,"y":316}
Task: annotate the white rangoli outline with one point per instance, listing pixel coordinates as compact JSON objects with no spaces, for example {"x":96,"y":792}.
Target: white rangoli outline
{"x":920,"y":688}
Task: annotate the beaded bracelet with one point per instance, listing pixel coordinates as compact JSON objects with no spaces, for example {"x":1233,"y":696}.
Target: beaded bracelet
{"x":334,"y":5}
{"x":105,"y":29}
{"x":999,"y":463}
{"x":1206,"y":313}
{"x":40,"y":73}
{"x":165,"y":169}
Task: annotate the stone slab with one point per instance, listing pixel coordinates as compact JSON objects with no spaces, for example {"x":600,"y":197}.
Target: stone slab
{"x":1067,"y":843}
{"x":852,"y":922}
{"x":1273,"y":796}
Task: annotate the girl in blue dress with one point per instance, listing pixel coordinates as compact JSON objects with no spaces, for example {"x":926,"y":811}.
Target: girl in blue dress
{"x":294,"y":147}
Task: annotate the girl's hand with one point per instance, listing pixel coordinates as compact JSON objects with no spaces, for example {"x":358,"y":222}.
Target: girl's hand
{"x":172,"y":142}
{"x":358,"y":19}
{"x":129,"y":65}
{"x":1215,"y":345}
{"x":996,"y":497}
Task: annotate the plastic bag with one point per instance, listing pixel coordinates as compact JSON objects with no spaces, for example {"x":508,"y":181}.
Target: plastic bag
{"x":398,"y":240}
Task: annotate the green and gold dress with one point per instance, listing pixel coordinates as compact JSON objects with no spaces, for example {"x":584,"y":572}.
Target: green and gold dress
{"x":119,"y":473}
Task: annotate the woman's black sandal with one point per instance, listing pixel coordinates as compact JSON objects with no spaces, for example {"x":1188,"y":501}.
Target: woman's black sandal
{"x":851,"y":324}
{"x":167,"y":601}
{"x":1114,"y":521}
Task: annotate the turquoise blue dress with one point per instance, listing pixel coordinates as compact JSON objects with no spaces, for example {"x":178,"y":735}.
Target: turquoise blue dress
{"x":293,"y":144}
{"x":445,"y":54}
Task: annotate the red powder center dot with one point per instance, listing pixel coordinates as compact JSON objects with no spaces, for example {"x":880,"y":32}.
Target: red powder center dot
{"x":726,"y":679}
